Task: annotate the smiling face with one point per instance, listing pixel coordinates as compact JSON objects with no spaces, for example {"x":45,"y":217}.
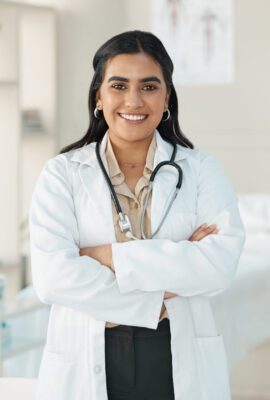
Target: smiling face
{"x":133,"y":96}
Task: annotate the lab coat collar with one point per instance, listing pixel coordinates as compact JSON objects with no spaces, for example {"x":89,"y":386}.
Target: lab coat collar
{"x":87,"y":155}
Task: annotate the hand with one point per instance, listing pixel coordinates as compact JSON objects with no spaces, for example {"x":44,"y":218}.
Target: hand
{"x":169,"y":295}
{"x":102,"y":254}
{"x":197,"y":235}
{"x":203,"y":231}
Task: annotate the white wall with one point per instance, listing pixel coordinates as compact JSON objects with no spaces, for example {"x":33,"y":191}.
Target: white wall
{"x":231,"y":121}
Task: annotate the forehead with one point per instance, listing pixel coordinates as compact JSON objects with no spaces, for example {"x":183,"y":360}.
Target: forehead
{"x":136,"y":65}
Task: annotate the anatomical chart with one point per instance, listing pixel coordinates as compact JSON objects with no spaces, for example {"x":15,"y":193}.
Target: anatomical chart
{"x":198,"y":35}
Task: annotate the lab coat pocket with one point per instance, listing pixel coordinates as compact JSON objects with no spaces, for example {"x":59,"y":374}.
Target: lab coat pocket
{"x":61,"y":376}
{"x":182,"y":225}
{"x":212,"y":368}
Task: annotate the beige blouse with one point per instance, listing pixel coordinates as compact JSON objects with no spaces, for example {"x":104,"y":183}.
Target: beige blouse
{"x":132,"y":204}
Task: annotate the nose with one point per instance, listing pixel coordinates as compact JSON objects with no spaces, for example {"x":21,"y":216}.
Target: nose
{"x":133,"y":99}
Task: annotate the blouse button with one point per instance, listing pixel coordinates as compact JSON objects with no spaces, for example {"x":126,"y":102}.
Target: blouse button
{"x":97,"y":368}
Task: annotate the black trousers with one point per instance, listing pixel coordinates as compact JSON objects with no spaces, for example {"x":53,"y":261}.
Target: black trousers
{"x":139,"y":362}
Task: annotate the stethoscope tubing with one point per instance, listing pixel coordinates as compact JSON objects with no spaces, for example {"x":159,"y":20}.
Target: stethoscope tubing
{"x":106,"y":176}
{"x":124,"y":220}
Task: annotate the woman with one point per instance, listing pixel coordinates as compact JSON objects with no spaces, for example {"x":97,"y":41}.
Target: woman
{"x":130,"y":316}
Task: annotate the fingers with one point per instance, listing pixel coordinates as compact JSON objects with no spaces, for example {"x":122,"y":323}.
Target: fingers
{"x":204,"y":227}
{"x":211,"y":228}
{"x":203,"y":231}
{"x":169,"y":295}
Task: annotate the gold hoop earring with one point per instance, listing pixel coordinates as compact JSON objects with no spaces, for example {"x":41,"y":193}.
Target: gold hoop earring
{"x":96,"y":110}
{"x":168,"y":116}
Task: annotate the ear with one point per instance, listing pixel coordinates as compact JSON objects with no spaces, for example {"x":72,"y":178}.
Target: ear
{"x":97,"y":98}
{"x":167,"y":98}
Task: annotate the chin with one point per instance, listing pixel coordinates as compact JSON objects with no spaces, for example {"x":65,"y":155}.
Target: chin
{"x":135,"y":135}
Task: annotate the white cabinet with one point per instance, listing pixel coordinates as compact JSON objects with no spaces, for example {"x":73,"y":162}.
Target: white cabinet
{"x":8,"y":44}
{"x":28,"y":115}
{"x":28,"y":137}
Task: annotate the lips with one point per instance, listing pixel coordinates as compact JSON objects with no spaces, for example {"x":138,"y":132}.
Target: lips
{"x":133,"y":117}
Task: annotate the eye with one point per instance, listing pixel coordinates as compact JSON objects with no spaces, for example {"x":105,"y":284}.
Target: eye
{"x":118,"y":86}
{"x":149,"y":87}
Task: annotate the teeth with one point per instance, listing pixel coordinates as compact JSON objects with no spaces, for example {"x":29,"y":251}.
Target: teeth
{"x":133,"y":117}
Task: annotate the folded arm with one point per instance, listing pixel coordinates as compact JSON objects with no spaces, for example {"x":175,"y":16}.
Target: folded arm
{"x":189,"y":268}
{"x":103,"y":253}
{"x":60,"y":275}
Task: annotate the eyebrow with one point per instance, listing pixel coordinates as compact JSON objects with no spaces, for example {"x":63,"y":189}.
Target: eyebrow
{"x":122,"y":79}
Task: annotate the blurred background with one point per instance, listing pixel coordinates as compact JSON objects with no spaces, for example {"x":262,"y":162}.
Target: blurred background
{"x":221,"y":55}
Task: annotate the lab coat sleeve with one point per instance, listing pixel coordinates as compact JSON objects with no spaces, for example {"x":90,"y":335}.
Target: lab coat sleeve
{"x":189,"y":268}
{"x":60,"y":275}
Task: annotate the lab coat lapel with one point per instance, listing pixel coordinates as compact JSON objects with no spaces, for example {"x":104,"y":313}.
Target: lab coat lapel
{"x":164,"y":184}
{"x":97,"y":188}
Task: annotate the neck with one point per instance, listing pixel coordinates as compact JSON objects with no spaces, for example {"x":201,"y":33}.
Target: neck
{"x":134,"y":152}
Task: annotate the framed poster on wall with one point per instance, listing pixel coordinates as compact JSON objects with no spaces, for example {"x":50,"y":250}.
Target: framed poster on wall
{"x":199,"y":36}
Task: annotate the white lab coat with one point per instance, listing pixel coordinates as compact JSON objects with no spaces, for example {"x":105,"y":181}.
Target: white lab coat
{"x":71,"y":208}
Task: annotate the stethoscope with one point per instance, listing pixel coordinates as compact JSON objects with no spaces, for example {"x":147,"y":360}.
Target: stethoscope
{"x":124,"y":222}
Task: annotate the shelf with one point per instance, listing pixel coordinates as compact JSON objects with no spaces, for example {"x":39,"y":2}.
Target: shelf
{"x":9,"y":83}
{"x":18,"y":345}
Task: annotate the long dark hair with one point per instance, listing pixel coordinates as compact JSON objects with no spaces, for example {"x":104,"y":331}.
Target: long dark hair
{"x":132,"y":42}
